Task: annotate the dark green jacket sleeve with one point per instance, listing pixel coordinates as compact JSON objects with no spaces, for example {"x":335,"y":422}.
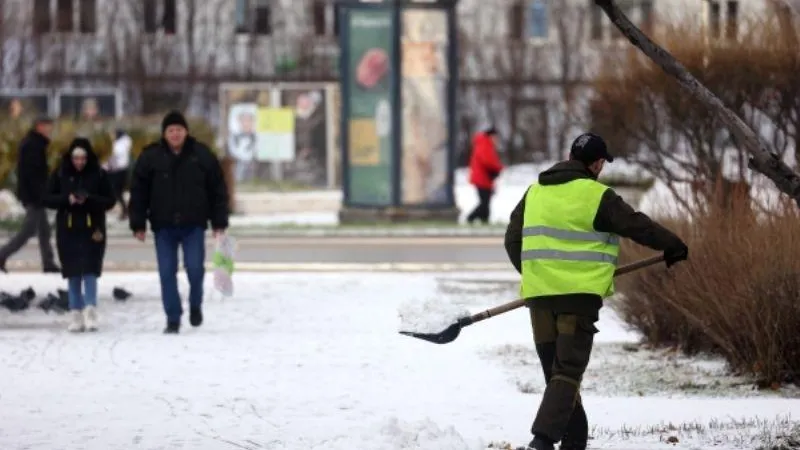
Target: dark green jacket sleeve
{"x":513,"y":239}
{"x":616,"y":216}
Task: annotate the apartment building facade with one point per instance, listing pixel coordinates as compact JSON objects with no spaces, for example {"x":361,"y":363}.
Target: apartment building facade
{"x":518,"y":57}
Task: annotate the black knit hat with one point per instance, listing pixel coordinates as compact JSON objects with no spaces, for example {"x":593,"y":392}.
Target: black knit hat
{"x":173,"y":118}
{"x":588,"y":148}
{"x":81,"y":142}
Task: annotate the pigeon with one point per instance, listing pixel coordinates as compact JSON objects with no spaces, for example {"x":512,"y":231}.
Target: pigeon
{"x":120,"y":294}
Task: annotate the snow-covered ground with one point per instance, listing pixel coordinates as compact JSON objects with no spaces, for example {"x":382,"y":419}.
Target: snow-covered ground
{"x":296,"y":363}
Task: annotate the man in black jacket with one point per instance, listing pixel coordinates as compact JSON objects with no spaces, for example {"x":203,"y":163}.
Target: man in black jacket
{"x":178,"y":186}
{"x":32,"y":174}
{"x":563,"y":323}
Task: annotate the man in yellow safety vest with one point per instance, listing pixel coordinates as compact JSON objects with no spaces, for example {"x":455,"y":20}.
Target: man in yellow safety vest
{"x":563,"y":238}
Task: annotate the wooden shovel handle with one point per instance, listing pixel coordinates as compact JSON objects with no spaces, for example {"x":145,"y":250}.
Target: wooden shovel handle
{"x":510,"y":306}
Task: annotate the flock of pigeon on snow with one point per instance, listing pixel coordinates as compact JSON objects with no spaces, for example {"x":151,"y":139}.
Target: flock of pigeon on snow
{"x":53,"y":302}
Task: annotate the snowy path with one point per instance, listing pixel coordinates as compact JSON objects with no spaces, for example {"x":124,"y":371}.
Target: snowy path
{"x":292,"y":363}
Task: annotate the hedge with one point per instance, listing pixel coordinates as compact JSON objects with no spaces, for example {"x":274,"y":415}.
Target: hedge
{"x":143,"y":131}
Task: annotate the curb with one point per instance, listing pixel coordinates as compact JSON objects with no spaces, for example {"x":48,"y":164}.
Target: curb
{"x":266,"y":232}
{"x":319,"y":233}
{"x":35,"y":267}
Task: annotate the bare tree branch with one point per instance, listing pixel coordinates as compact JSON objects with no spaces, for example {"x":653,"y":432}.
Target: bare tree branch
{"x":762,"y":159}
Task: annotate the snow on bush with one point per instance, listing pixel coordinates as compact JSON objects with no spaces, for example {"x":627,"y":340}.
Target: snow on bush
{"x":430,"y":316}
{"x":663,"y":201}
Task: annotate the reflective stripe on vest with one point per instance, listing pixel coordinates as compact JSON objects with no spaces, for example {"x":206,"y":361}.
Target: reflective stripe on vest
{"x":570,"y":235}
{"x":561,"y":251}
{"x":528,"y":255}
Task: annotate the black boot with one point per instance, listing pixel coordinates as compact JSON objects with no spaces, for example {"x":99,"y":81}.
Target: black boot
{"x":541,"y":443}
{"x":172,"y":328}
{"x":51,"y":268}
{"x":195,"y":316}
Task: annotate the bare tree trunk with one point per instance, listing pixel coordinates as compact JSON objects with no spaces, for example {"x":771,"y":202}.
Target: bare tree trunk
{"x":762,"y":160}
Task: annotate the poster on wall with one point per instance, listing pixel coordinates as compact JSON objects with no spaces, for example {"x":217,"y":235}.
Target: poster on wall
{"x":424,"y":92}
{"x":88,"y":105}
{"x":369,"y":122}
{"x":275,"y":135}
{"x":24,"y":104}
{"x":239,"y":106}
{"x":278,"y":132}
{"x":310,"y":132}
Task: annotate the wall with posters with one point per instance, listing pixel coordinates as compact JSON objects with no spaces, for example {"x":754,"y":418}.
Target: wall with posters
{"x":280,"y":132}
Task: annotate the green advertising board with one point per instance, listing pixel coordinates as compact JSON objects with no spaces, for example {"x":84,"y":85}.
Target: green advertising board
{"x":369,"y":115}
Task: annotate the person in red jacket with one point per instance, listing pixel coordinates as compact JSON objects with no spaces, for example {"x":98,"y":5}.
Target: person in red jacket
{"x":484,"y":167}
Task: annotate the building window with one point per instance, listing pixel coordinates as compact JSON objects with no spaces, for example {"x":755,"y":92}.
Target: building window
{"x":169,"y":23}
{"x":42,"y":22}
{"x":640,"y":12}
{"x":529,"y":19}
{"x":325,"y":18}
{"x":66,"y":12}
{"x":713,"y":19}
{"x":318,"y":17}
{"x":732,"y":22}
{"x":254,"y":16}
{"x":538,"y":20}
{"x":722,"y":19}
{"x":88,"y":16}
{"x":723,"y":13}
{"x":150,"y":16}
{"x":160,"y":15}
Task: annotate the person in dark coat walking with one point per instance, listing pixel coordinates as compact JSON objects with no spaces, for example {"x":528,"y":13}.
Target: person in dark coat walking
{"x":179,"y":187}
{"x":32,"y":176}
{"x":81,"y":193}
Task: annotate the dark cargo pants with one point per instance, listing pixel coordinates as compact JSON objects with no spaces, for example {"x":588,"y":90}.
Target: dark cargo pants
{"x":564,"y":345}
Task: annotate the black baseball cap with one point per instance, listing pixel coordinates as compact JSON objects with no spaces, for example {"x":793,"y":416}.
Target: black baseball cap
{"x":588,"y":148}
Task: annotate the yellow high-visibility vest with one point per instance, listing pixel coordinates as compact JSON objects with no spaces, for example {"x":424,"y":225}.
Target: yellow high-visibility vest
{"x":562,"y":253}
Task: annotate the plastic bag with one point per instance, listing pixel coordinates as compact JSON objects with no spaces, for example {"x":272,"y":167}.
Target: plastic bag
{"x":223,"y":265}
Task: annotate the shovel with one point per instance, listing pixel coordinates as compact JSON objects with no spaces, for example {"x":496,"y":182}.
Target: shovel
{"x":450,"y":333}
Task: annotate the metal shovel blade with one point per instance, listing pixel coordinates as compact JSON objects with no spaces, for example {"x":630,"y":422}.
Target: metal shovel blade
{"x":443,"y":337}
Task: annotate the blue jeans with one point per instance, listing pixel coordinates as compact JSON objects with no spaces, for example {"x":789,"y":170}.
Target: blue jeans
{"x":77,"y":299}
{"x":193,"y":243}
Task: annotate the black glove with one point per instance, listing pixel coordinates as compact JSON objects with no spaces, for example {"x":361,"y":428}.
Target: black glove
{"x":676,"y":253}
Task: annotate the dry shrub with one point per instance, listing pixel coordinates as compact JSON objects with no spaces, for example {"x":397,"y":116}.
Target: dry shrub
{"x":647,"y":115}
{"x":737,"y":295}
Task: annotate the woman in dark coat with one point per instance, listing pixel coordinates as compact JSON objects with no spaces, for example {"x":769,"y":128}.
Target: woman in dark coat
{"x":81,"y":192}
